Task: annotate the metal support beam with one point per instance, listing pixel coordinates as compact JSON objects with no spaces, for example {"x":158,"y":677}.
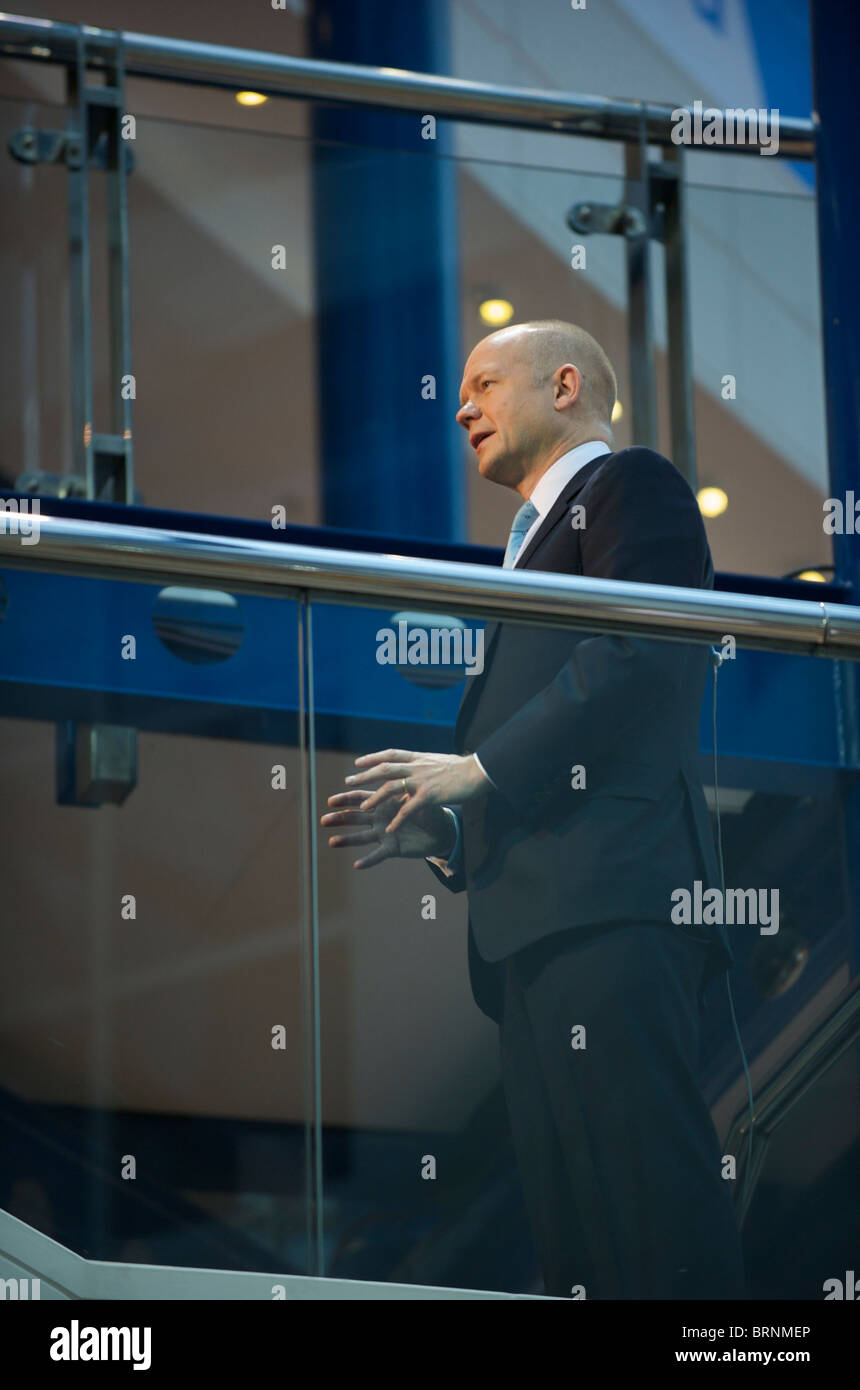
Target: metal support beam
{"x":80,"y":299}
{"x":640,"y":311}
{"x":94,"y":122}
{"x":653,"y":210}
{"x":95,"y":762}
{"x":668,"y":189}
{"x":102,"y":462}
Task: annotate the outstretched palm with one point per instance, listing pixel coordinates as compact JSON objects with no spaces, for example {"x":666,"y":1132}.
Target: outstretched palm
{"x":428,"y":831}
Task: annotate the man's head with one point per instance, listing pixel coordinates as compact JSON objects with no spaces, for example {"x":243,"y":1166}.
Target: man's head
{"x":530,"y":393}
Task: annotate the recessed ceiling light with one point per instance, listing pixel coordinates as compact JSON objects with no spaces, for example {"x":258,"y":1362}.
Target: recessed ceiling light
{"x":712,"y":501}
{"x":496,"y":312}
{"x":251,"y":98}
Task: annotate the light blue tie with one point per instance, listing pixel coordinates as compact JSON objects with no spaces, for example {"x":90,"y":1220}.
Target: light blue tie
{"x":527,"y":513}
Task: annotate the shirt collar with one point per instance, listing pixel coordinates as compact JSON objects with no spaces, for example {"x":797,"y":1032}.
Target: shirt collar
{"x":556,"y":478}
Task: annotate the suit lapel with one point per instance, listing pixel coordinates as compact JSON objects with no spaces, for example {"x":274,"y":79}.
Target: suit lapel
{"x":557,"y":511}
{"x":547,"y":526}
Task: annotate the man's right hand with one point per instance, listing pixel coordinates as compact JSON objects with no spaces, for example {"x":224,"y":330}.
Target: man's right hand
{"x":429,"y":832}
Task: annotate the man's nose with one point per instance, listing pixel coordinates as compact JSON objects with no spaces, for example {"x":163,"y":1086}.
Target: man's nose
{"x":466,"y":413}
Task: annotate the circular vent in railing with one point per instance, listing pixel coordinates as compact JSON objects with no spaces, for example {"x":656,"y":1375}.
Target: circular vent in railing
{"x":198,"y":625}
{"x":431,"y":649}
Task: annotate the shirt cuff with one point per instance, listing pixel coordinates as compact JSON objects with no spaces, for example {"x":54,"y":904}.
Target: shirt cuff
{"x":454,"y":863}
{"x":484,"y":770}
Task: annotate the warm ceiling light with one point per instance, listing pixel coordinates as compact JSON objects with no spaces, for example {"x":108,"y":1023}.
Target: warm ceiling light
{"x":712,"y":501}
{"x":496,"y":312}
{"x":617,"y":411}
{"x":251,"y":98}
{"x":812,"y":576}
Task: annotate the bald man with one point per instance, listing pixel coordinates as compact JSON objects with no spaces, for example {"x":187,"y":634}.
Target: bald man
{"x":572,"y":948}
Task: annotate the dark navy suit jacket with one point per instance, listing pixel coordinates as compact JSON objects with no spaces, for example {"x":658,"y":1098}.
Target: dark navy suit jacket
{"x":539,"y":856}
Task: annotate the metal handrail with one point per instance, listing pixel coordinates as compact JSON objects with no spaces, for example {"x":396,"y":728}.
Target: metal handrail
{"x":144,"y":554}
{"x":183,"y":60}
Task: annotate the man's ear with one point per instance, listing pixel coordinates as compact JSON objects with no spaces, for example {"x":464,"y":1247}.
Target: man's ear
{"x":568,"y":386}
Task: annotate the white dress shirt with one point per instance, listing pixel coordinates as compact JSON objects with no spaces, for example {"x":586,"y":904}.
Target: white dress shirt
{"x":549,"y":488}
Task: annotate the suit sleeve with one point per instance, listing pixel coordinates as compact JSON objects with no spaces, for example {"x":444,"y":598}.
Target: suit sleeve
{"x":642,"y":525}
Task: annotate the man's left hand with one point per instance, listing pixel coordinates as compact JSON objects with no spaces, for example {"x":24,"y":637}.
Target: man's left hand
{"x":430,"y":779}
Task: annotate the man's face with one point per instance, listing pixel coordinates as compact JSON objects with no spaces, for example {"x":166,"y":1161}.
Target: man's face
{"x":509,"y":420}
